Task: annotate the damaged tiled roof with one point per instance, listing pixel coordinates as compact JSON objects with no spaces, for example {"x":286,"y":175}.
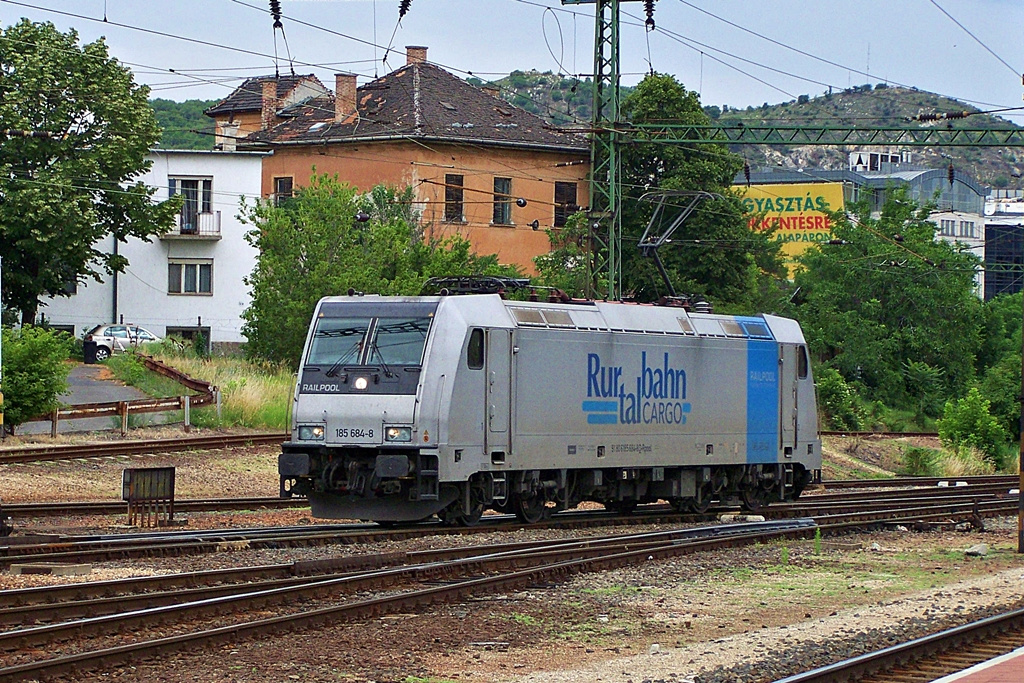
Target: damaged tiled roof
{"x":421,"y":101}
{"x":249,"y":95}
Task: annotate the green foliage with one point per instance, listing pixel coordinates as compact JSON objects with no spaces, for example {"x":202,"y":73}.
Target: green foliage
{"x":837,"y":401}
{"x":891,"y":306}
{"x":565,"y":266}
{"x":64,"y":196}
{"x":924,"y":383}
{"x":311,"y":247}
{"x":713,"y":253}
{"x":180,"y":120}
{"x":920,"y":462}
{"x":967,"y":423}
{"x":34,"y":373}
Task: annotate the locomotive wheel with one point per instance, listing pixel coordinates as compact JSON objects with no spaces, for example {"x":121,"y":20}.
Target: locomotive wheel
{"x":531,"y":510}
{"x":702,"y":506}
{"x":454,"y":515}
{"x":753,"y":499}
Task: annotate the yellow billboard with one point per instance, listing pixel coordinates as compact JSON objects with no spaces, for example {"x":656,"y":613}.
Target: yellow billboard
{"x":797,"y":211}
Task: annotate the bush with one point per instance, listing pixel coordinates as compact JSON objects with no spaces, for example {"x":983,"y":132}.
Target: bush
{"x":968,"y":423}
{"x":838,"y":401}
{"x":920,"y":462}
{"x":34,"y":373}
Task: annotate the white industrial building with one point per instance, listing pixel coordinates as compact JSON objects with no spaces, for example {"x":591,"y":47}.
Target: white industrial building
{"x":189,"y":280}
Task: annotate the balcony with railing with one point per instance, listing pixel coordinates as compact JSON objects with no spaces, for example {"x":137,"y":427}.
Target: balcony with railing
{"x":196,"y":226}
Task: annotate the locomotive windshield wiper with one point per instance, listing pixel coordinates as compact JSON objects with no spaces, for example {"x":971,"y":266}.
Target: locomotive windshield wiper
{"x":333,"y":370}
{"x":374,"y":349}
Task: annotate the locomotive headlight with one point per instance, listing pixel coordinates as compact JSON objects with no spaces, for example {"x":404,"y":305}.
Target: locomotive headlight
{"x":361,"y":383}
{"x":311,"y":432}
{"x":398,"y":434}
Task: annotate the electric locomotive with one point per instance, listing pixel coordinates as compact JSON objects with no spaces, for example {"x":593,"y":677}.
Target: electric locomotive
{"x":410,"y":407}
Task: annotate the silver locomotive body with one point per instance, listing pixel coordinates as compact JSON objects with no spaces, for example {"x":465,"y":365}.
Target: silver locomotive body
{"x":408,"y":407}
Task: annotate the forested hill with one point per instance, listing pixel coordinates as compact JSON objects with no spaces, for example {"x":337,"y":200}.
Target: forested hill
{"x":564,"y":100}
{"x":179,"y":120}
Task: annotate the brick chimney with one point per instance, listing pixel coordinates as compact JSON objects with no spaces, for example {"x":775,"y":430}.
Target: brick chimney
{"x":344,"y":96}
{"x":415,"y":54}
{"x":268,"y":100}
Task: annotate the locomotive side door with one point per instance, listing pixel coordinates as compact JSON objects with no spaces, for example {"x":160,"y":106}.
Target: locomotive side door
{"x":788,"y":396}
{"x":498,"y":388}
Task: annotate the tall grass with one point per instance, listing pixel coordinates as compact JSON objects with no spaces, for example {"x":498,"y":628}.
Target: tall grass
{"x":254,"y":395}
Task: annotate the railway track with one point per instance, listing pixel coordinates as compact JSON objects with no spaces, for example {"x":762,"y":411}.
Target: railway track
{"x":29,"y":454}
{"x":920,"y":508}
{"x":81,"y":508}
{"x":926,"y":659}
{"x":70,"y":629}
{"x":145,"y":446}
{"x":87,"y":641}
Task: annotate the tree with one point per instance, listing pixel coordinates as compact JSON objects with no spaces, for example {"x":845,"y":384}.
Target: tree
{"x":34,"y":372}
{"x":184,"y":124}
{"x":311,"y":246}
{"x":891,"y":305}
{"x":714,"y":253}
{"x":70,"y":185}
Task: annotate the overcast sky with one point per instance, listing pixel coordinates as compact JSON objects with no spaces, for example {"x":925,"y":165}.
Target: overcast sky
{"x":734,"y":52}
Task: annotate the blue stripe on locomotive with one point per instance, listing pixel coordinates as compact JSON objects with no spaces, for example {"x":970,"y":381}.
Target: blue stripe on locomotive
{"x":762,"y":401}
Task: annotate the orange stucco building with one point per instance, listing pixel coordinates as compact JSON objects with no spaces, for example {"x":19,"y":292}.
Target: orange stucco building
{"x":479,"y":167}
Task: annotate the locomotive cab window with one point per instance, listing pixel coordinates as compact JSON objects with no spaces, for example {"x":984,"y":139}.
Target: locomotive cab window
{"x":475,"y":350}
{"x":382,"y":346}
{"x":801,"y":363}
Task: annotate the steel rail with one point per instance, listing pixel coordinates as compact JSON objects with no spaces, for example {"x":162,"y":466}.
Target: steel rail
{"x":97,"y":507}
{"x":114,"y":597}
{"x":548,"y":565}
{"x":884,"y":661}
{"x":586,"y":557}
{"x":882,"y":435}
{"x":143,"y":446}
{"x":921,"y":481}
{"x":961,"y":507}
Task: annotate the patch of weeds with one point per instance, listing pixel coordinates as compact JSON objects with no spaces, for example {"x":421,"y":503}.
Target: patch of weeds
{"x":524,"y":619}
{"x":426,"y":679}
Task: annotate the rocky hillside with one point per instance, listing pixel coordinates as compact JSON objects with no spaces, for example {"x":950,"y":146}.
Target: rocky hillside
{"x":564,"y":100}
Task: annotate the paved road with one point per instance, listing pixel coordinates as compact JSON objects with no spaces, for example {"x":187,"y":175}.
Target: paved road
{"x":87,"y":384}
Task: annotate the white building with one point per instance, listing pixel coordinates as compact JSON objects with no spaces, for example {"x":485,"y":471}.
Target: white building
{"x":189,"y":280}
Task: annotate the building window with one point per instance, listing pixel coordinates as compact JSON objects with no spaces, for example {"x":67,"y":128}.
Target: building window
{"x":282,"y":189}
{"x":191,"y":276}
{"x":502,"y":201}
{"x":565,"y":202}
{"x":453,"y":204}
{"x":947,"y":228}
{"x":198,"y":194}
{"x":967,"y":228}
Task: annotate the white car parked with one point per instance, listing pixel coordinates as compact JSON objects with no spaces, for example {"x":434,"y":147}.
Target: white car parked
{"x":116,"y":338}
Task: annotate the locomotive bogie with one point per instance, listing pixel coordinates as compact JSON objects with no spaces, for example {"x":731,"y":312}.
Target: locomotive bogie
{"x":409,"y":407}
